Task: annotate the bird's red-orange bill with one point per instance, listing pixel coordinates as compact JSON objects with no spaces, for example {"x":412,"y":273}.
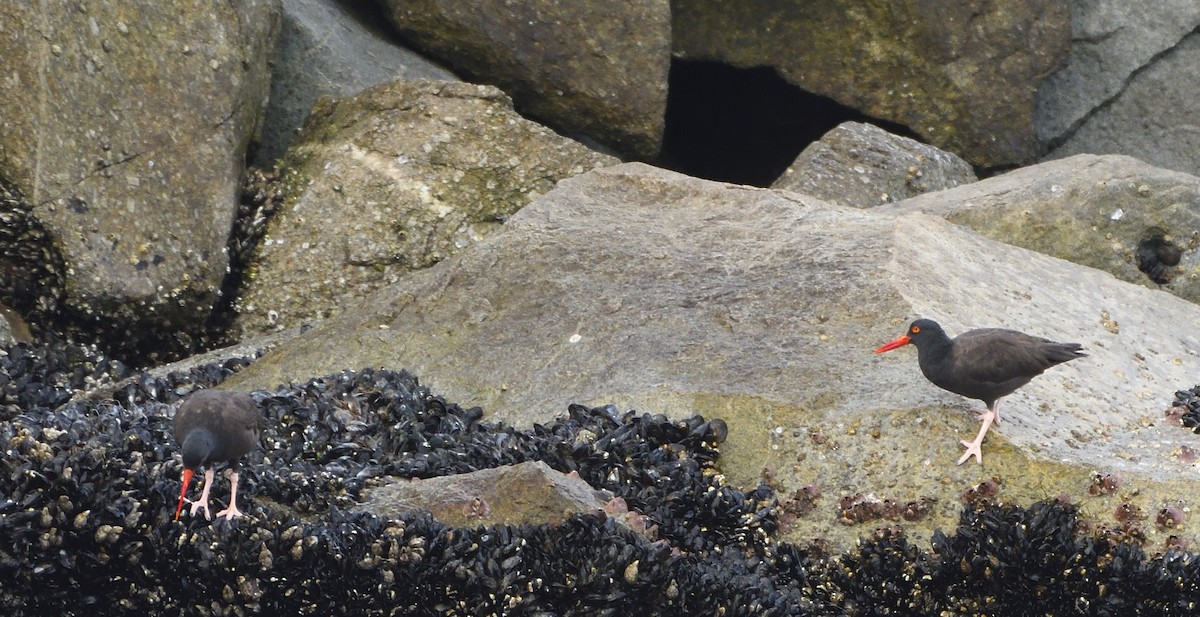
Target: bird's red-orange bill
{"x":900,"y":341}
{"x":187,"y":479}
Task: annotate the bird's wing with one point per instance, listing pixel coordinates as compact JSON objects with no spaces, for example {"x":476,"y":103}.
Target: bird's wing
{"x":245,"y":415}
{"x":995,"y":355}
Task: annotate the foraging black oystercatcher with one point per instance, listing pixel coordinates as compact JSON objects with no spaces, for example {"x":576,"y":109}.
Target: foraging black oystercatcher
{"x":211,"y":427}
{"x":985,"y":364}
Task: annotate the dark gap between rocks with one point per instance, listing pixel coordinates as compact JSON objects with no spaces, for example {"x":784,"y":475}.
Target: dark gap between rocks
{"x":745,"y":125}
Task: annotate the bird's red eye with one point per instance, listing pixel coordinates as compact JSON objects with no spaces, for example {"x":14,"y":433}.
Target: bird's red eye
{"x":915,"y":329}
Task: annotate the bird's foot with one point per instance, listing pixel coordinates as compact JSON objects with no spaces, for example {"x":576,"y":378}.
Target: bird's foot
{"x":975,"y":448}
{"x":230,"y":513}
{"x":200,"y":505}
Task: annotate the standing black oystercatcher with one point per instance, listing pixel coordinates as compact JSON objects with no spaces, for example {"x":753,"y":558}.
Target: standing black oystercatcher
{"x":985,"y":364}
{"x":213,"y":426}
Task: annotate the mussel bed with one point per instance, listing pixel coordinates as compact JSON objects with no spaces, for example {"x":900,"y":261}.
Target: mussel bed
{"x":88,"y":488}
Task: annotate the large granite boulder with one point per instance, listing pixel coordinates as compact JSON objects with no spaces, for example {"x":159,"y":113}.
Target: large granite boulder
{"x":656,"y":291}
{"x":961,"y":75}
{"x":328,"y":48}
{"x":1113,"y":213}
{"x":522,"y":494}
{"x":125,"y":132}
{"x":588,"y":69}
{"x":862,"y":165}
{"x":1129,"y":85}
{"x":1152,"y":117}
{"x":391,"y":180}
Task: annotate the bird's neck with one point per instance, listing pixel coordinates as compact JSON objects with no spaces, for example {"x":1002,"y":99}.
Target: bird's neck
{"x":934,"y":351}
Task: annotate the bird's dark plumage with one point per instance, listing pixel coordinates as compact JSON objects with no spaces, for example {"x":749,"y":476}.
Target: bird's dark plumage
{"x":212,"y":427}
{"x":986,"y":364}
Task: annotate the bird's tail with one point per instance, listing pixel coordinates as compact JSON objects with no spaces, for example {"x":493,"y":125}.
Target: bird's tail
{"x":1062,"y":352}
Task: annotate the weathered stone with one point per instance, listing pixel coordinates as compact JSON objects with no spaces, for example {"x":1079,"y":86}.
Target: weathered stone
{"x":583,"y":68}
{"x":1112,"y":42}
{"x":1153,"y":117}
{"x":961,"y":75}
{"x":1113,"y":213}
{"x":527,"y":493}
{"x":394,"y":179}
{"x":126,"y":130}
{"x":862,"y":165}
{"x":660,"y":292}
{"x":325,"y":49}
{"x":242,"y":352}
{"x":7,"y":320}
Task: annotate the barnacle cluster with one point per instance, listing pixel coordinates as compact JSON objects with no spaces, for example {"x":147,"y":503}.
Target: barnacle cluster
{"x":88,"y":487}
{"x":866,"y":507}
{"x":1105,"y":484}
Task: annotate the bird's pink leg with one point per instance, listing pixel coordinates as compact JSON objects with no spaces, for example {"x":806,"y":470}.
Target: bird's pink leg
{"x":974,"y":447}
{"x":231,"y":512}
{"x":202,"y":503}
{"x":980,"y":413}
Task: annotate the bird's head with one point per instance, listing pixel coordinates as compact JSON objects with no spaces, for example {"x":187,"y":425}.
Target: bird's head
{"x":918,"y":331}
{"x":198,"y":448}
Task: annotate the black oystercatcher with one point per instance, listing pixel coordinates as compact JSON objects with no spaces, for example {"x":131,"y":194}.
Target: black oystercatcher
{"x":985,"y":364}
{"x":211,"y":427}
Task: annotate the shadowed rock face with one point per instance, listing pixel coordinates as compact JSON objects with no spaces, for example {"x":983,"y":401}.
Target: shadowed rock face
{"x":581,"y":68}
{"x":962,"y":75}
{"x":1129,"y":84}
{"x":126,"y":134}
{"x":330,"y":48}
{"x":1151,"y":116}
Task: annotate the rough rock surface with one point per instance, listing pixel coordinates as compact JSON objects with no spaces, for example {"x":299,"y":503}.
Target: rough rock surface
{"x":394,"y":179}
{"x":327,"y":49}
{"x":580,"y":67}
{"x":523,"y":494}
{"x":862,"y":165}
{"x":653,"y":290}
{"x":126,"y":132}
{"x":1137,"y":222}
{"x":1112,"y":43}
{"x":960,"y":75}
{"x":1153,"y":117}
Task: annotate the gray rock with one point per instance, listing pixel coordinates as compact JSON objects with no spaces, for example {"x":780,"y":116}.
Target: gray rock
{"x":327,"y":49}
{"x":126,"y":131}
{"x":527,"y":493}
{"x":1112,"y":41}
{"x":862,"y":165}
{"x":7,"y":339}
{"x":248,"y":350}
{"x":652,"y":290}
{"x":1152,"y":117}
{"x":583,"y":68}
{"x":962,"y":76}
{"x":1112,"y":213}
{"x":395,"y":179}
